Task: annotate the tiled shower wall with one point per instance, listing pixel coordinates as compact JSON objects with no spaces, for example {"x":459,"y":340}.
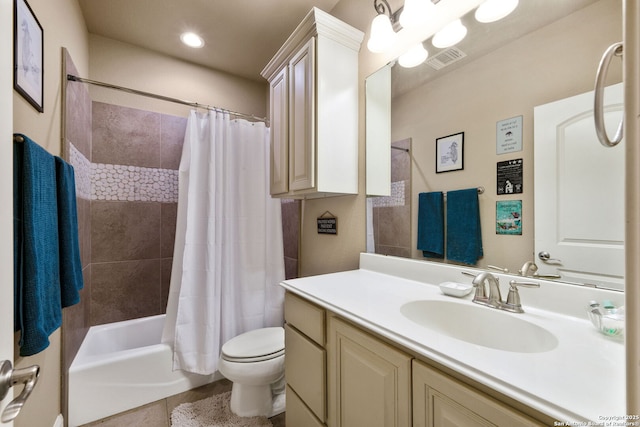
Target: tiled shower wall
{"x":134,"y":193}
{"x":392,"y":214}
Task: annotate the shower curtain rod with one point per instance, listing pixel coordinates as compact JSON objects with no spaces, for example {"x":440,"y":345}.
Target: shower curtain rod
{"x":73,"y":78}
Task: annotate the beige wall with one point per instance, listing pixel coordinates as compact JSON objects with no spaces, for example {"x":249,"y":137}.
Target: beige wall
{"x":63,"y":26}
{"x":130,"y":66}
{"x":552,"y":63}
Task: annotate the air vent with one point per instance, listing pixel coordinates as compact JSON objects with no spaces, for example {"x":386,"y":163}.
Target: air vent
{"x":445,"y":58}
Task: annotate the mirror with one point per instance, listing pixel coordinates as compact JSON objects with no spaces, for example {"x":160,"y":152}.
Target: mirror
{"x":545,"y":51}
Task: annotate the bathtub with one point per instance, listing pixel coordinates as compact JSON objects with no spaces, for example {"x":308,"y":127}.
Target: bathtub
{"x":124,"y":365}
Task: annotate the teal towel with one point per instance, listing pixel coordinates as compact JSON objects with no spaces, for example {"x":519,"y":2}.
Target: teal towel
{"x":71,"y":280}
{"x":37,"y":268}
{"x":464,"y":238}
{"x":431,"y":224}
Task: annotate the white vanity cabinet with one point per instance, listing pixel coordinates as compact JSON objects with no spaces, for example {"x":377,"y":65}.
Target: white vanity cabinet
{"x":341,"y":375}
{"x":313,"y":82}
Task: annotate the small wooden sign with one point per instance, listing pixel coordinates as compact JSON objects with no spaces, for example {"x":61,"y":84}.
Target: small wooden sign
{"x":327,"y":223}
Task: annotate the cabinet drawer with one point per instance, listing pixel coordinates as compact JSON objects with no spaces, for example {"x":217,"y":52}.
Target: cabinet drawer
{"x":305,"y":370}
{"x":306,"y":317}
{"x":297,"y":413}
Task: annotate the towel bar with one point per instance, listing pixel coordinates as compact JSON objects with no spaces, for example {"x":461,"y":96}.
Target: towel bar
{"x":18,"y":138}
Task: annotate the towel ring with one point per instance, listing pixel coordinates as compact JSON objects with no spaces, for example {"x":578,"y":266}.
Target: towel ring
{"x":598,"y":103}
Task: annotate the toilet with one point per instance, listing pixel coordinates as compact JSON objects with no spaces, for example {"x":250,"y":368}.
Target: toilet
{"x":254,"y":362}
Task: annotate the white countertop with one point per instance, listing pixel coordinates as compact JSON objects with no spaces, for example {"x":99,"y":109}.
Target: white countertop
{"x":582,"y":379}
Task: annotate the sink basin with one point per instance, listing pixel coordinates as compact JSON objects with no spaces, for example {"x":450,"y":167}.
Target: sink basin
{"x":480,"y":325}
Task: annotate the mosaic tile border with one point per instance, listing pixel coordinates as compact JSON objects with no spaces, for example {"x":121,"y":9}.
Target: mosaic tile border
{"x":99,"y":181}
{"x":395,"y":199}
{"x":82,"y":172}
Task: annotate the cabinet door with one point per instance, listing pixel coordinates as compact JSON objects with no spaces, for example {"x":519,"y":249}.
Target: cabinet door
{"x":442,"y":401}
{"x":369,"y":381}
{"x":302,"y":142}
{"x":279,"y":96}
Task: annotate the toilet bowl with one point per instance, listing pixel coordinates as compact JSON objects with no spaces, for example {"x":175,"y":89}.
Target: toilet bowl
{"x":254,"y":362}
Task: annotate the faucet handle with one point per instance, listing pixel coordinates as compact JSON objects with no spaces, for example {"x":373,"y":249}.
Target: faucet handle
{"x":513,"y":303}
{"x":495,"y":267}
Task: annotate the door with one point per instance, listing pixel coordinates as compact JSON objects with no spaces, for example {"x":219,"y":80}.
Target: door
{"x":279,"y":154}
{"x":6,"y":188}
{"x":302,"y":139}
{"x":579,"y":191}
{"x":369,"y":381}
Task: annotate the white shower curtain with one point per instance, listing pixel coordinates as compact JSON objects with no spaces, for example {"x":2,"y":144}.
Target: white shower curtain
{"x":228,"y":256}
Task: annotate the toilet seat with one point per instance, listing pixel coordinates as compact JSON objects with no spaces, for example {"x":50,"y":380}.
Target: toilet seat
{"x":255,"y":346}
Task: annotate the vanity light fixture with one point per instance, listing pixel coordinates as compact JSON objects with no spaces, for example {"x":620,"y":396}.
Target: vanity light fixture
{"x":382,"y":35}
{"x":415,"y":12}
{"x":494,"y":10}
{"x":423,"y":19}
{"x":192,"y":40}
{"x":452,"y":34}
{"x":415,"y":56}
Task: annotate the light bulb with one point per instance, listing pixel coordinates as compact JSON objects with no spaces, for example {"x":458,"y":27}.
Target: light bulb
{"x":192,"y":39}
{"x":494,"y":10}
{"x":415,"y":13}
{"x":453,"y":33}
{"x":415,"y":56}
{"x":382,"y":34}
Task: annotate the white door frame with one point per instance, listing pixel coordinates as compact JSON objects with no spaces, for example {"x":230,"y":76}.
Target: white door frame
{"x":6,"y":187}
{"x":631,"y":73}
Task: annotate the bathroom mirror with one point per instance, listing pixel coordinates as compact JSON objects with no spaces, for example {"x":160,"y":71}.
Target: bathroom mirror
{"x":544,"y":52}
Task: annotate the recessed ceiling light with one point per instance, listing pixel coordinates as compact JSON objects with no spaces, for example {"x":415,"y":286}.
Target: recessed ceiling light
{"x":192,"y":39}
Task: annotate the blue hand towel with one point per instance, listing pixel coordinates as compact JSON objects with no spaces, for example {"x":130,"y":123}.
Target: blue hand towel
{"x":71,"y":280}
{"x":37,"y":275}
{"x":464,"y":238}
{"x":431,"y":224}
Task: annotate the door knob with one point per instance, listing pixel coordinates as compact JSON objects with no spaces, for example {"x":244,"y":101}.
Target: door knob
{"x":546,"y":257}
{"x":10,"y":377}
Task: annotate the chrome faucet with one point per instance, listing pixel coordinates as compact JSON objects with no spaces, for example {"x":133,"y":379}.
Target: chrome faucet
{"x":531,"y":266}
{"x":526,"y":267}
{"x":494,"y":299}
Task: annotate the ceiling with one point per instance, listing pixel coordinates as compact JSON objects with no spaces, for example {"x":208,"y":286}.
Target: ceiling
{"x":484,"y":38}
{"x":240,"y":36}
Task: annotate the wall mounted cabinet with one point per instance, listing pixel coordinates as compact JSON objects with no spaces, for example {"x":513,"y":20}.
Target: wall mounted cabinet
{"x":313,"y":82}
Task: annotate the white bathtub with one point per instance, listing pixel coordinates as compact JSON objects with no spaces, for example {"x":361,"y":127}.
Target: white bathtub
{"x":121,"y":366}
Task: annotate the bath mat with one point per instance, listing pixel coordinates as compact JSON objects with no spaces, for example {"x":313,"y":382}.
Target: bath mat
{"x":213,"y":411}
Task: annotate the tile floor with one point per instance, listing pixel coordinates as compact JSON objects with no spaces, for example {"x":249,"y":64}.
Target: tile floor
{"x":158,"y":414}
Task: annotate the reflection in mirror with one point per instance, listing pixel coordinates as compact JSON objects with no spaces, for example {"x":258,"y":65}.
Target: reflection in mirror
{"x":545,"y":51}
{"x":391,"y":215}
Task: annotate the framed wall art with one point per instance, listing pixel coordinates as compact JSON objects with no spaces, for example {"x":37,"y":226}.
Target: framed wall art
{"x":449,"y":153}
{"x":28,"y":55}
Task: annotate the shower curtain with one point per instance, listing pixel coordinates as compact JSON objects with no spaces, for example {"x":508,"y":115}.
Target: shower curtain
{"x":228,"y":255}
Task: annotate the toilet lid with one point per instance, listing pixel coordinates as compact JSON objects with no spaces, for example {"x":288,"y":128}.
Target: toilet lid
{"x":256,"y":345}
